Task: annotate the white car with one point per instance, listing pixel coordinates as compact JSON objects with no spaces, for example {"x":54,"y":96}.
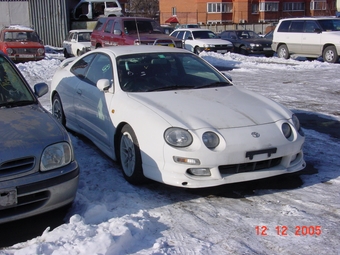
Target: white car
{"x":310,"y":37}
{"x":198,"y":39}
{"x":77,"y":43}
{"x":166,"y":114}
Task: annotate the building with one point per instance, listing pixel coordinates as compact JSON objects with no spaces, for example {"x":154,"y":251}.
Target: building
{"x":206,"y":12}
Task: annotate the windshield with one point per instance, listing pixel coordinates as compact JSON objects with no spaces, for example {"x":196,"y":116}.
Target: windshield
{"x":204,"y":35}
{"x":141,"y":26}
{"x":247,"y":35}
{"x":330,"y":24}
{"x":21,"y":36}
{"x":13,"y":90}
{"x":84,"y":37}
{"x":166,"y":71}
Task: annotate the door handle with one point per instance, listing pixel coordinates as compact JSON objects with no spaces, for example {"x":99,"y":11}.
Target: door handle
{"x":79,"y":92}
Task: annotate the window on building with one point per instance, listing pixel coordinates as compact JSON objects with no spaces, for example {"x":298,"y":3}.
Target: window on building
{"x":174,"y":11}
{"x":255,"y":8}
{"x":220,"y":7}
{"x":269,"y":6}
{"x":293,"y":6}
{"x":318,"y":5}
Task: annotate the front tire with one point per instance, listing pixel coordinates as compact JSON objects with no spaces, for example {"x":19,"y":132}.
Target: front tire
{"x":130,"y":156}
{"x":330,"y":55}
{"x":283,"y":52}
{"x":57,"y":110}
{"x":197,"y":50}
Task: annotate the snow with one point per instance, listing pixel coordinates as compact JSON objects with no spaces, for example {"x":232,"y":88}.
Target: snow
{"x":110,"y":216}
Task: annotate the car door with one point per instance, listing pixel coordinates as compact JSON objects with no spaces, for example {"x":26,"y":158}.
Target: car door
{"x":311,"y":39}
{"x":294,"y":37}
{"x":107,"y":36}
{"x":188,"y":41}
{"x":91,"y":104}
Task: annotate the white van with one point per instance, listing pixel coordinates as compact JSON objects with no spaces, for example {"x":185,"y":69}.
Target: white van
{"x":92,"y":9}
{"x":309,"y":37}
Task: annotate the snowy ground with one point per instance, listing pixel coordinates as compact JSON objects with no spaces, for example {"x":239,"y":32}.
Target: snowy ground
{"x":289,"y":215}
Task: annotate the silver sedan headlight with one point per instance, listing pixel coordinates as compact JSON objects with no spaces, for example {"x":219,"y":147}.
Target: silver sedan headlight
{"x":210,"y":140}
{"x":55,"y":156}
{"x":178,"y":137}
{"x":208,"y":45}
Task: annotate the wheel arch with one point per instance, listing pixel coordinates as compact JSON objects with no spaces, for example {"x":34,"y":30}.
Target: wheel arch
{"x":326,"y":45}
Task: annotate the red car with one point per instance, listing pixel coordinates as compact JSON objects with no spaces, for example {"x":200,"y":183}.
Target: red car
{"x":114,"y":31}
{"x":21,"y":44}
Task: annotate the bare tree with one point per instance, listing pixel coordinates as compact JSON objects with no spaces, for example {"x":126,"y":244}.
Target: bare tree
{"x":148,"y":8}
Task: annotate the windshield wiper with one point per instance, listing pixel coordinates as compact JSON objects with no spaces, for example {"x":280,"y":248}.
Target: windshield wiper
{"x":214,"y":84}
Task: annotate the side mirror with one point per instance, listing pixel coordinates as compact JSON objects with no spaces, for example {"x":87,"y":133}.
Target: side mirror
{"x":103,"y":84}
{"x":117,"y":32}
{"x":40,"y":89}
{"x":318,"y":30}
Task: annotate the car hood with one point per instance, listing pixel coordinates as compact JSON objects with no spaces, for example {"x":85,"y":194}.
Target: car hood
{"x":26,"y":131}
{"x":213,"y":41}
{"x":24,"y":45}
{"x":226,"y":107}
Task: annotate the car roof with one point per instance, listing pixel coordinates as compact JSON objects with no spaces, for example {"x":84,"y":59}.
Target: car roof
{"x":80,"y":30}
{"x":193,"y":29}
{"x":311,"y":18}
{"x":17,"y":28}
{"x":136,"y":49}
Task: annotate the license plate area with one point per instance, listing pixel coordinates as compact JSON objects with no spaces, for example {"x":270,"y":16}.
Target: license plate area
{"x":8,"y":198}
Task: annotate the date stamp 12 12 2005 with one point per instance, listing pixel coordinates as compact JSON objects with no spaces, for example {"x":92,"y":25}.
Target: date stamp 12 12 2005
{"x":282,"y":230}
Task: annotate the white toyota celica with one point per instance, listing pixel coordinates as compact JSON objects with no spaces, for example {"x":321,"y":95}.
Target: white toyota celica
{"x":167,"y":115}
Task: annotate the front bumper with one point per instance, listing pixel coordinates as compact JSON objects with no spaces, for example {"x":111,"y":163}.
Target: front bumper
{"x":238,"y":158}
{"x":54,"y":189}
{"x":218,"y":48}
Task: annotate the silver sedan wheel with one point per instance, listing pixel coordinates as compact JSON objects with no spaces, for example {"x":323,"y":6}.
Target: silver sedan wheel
{"x":57,"y":109}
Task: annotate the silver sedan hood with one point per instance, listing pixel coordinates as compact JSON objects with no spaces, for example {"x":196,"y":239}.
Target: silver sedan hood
{"x":26,"y":130}
{"x":224,"y":107}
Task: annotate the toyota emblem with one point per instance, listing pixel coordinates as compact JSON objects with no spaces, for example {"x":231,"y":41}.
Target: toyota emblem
{"x":255,"y":134}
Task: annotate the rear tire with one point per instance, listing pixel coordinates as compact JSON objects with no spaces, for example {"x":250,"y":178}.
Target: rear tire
{"x":283,"y":52}
{"x":57,"y":110}
{"x":66,"y":55}
{"x":130,"y":156}
{"x":330,"y":55}
{"x":243,"y":51}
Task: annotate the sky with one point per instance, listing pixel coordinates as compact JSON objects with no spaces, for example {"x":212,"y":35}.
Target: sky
{"x":287,"y":215}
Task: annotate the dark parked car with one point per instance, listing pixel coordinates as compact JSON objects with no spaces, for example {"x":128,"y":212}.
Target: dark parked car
{"x":38,"y":172}
{"x":248,"y":42}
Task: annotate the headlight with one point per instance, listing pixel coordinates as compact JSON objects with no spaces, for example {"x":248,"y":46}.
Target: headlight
{"x":56,"y":155}
{"x":177,"y":137}
{"x":255,"y":45}
{"x":210,"y":140}
{"x":9,"y":51}
{"x":208,"y":45}
{"x":286,"y":130}
{"x":41,"y":51}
